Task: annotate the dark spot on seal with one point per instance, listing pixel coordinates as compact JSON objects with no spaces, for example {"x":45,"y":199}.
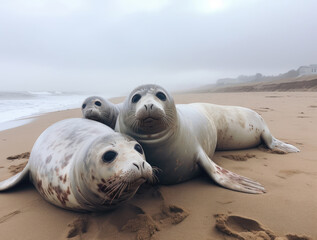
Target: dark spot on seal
{"x":50,"y":189}
{"x":222,"y":170}
{"x":65,"y":178}
{"x":61,"y":195}
{"x":56,"y":170}
{"x":48,"y":159}
{"x":39,"y":186}
{"x":92,"y":177}
{"x":60,"y":178}
{"x":102,"y":187}
{"x":103,"y":180}
{"x":78,"y":189}
{"x":66,"y":160}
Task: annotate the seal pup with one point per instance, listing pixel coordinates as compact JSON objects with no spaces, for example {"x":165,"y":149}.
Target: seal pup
{"x":181,"y":139}
{"x":101,"y":110}
{"x":83,"y":165}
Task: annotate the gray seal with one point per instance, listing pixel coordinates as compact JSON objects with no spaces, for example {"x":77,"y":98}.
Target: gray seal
{"x":83,"y":165}
{"x":101,"y":110}
{"x":181,"y":139}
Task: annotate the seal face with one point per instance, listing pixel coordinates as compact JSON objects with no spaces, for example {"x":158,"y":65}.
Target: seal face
{"x":144,"y":111}
{"x":181,"y":139}
{"x":80,"y":164}
{"x":101,"y":110}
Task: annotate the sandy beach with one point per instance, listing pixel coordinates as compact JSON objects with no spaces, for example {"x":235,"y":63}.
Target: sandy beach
{"x":197,"y":209}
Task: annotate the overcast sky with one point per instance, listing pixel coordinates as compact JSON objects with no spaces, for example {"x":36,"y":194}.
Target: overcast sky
{"x":114,"y":46}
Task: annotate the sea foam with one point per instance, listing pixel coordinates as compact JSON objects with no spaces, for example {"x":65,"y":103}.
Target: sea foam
{"x":17,"y":106}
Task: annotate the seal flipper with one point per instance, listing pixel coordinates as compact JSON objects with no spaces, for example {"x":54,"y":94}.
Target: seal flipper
{"x":282,"y":146}
{"x":226,"y":178}
{"x":277,"y":145}
{"x":14,"y":180}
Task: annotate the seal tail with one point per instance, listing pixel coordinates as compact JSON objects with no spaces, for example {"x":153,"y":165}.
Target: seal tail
{"x":15,"y":180}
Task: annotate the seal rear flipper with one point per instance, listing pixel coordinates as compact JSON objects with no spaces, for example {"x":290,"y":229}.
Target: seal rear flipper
{"x":14,"y":180}
{"x":278,"y":145}
{"x":227,"y":178}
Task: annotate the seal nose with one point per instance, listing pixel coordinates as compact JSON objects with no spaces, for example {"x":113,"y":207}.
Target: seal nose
{"x":148,"y":106}
{"x":136,"y":165}
{"x":139,"y":166}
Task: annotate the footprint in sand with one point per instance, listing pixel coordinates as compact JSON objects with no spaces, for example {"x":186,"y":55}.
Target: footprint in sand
{"x":14,"y":169}
{"x":8,"y":216}
{"x":302,"y":115}
{"x":145,"y":226}
{"x":273,"y":96}
{"x":288,"y":173}
{"x":130,"y":221}
{"x":312,"y":106}
{"x":242,"y":228}
{"x":25,"y":155}
{"x":263,"y":148}
{"x":263,"y":109}
{"x":78,"y":227}
{"x":239,"y":157}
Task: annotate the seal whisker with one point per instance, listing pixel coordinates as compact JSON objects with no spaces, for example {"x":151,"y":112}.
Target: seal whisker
{"x":121,"y":188}
{"x":154,"y":178}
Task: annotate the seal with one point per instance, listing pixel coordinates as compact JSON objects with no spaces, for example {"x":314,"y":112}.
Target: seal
{"x":83,"y":165}
{"x":101,"y":110}
{"x":181,"y":139}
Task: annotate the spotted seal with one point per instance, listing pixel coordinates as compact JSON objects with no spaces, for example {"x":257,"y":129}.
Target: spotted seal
{"x":101,"y":110}
{"x":83,"y":165}
{"x":181,"y":139}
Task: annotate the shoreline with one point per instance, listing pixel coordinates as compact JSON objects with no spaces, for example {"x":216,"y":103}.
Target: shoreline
{"x":288,"y":207}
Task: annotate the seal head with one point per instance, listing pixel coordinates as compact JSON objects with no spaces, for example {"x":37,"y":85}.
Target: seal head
{"x":149,"y":109}
{"x":101,"y":110}
{"x":110,"y":172}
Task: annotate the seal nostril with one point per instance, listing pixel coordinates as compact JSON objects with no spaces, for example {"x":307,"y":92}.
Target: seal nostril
{"x":136,"y":166}
{"x":145,"y":107}
{"x":151,"y":106}
{"x":143,"y":164}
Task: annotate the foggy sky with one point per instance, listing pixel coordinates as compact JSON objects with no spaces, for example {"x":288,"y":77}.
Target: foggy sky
{"x":114,"y":46}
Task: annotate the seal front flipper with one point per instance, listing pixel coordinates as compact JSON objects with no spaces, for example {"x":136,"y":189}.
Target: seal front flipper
{"x":226,"y":178}
{"x":14,"y":180}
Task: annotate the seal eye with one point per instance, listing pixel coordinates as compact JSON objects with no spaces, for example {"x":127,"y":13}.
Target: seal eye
{"x":136,"y":98}
{"x":138,"y":148}
{"x":161,"y":96}
{"x":98,"y":103}
{"x":109,"y":156}
{"x":83,"y":106}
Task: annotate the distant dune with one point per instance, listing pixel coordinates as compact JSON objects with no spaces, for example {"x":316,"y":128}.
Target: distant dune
{"x":304,"y":83}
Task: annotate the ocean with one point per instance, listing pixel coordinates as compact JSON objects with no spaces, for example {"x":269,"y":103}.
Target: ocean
{"x":18,"y":108}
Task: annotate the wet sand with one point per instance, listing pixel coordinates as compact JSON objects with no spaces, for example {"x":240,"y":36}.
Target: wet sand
{"x":197,"y":209}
